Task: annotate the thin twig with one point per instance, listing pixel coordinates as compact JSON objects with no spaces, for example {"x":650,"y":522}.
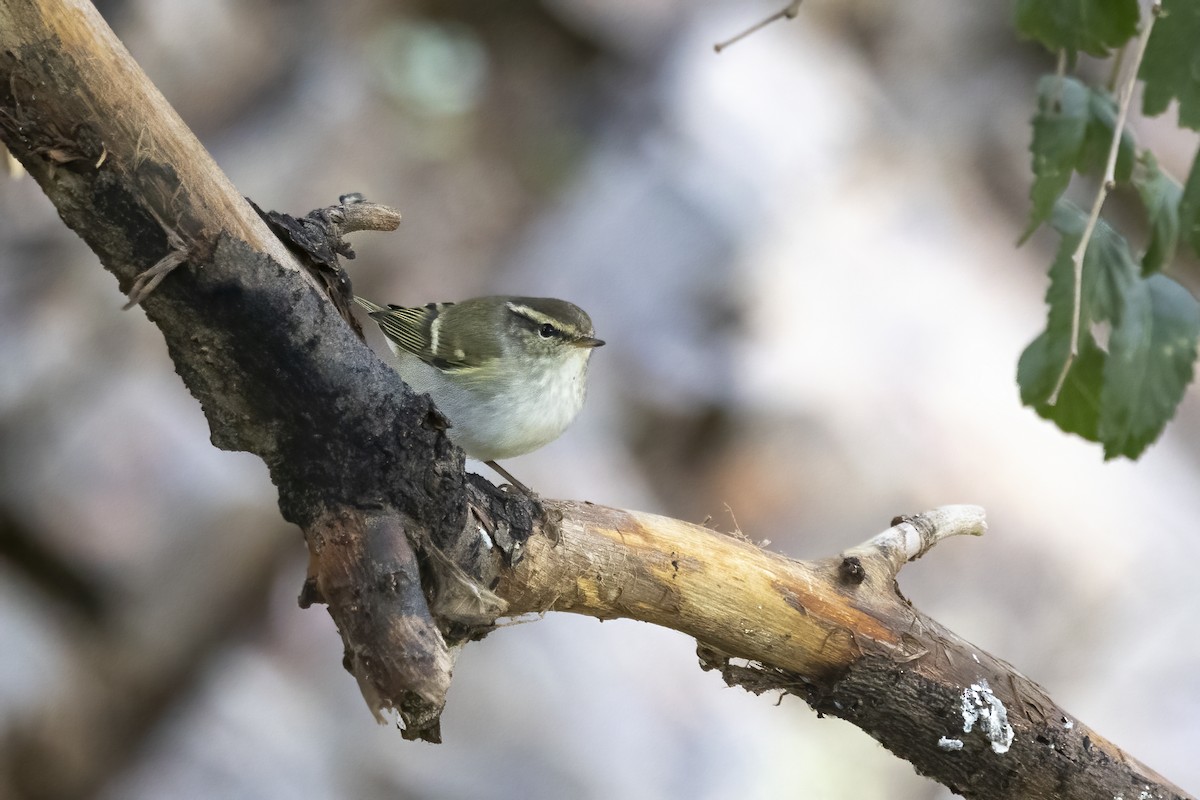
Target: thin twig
{"x":1106,"y":186}
{"x":1118,"y":62}
{"x":909,"y":538}
{"x":354,"y":214}
{"x":789,"y":12}
{"x":149,"y":280}
{"x":1060,"y":76}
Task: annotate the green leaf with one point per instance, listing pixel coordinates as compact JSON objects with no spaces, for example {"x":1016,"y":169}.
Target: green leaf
{"x":1160,"y":195}
{"x":1078,"y":408}
{"x":1059,"y":128}
{"x":1042,"y":361}
{"x":1093,"y":26}
{"x":1189,"y":207}
{"x":1109,"y":269}
{"x":1171,"y":65}
{"x":1072,"y":132}
{"x":1039,"y":365}
{"x":1102,"y":122}
{"x":1152,"y":352}
{"x":1108,"y":273}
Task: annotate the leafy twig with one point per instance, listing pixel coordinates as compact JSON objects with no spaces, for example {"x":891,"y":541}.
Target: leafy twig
{"x":1106,"y":186}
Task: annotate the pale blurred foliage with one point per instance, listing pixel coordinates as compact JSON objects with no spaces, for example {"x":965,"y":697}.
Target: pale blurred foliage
{"x":802,"y":255}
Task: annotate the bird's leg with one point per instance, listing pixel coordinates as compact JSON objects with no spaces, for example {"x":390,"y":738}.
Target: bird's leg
{"x":551,"y":517}
{"x":508,"y":477}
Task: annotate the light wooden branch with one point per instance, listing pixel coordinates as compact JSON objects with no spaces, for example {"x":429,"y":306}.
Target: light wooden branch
{"x":812,"y":619}
{"x":836,"y":632}
{"x":415,"y":559}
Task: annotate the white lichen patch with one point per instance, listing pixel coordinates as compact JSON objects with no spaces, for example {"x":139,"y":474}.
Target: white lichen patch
{"x":980,"y":706}
{"x":947,"y":743}
{"x":487,"y":540}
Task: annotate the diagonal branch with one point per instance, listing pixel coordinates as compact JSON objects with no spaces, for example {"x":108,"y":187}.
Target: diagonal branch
{"x":836,"y":632}
{"x":254,"y":336}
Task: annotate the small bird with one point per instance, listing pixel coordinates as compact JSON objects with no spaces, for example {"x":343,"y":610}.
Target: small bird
{"x":509,"y":373}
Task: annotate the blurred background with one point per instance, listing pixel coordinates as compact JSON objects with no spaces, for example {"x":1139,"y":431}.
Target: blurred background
{"x":801,"y":253}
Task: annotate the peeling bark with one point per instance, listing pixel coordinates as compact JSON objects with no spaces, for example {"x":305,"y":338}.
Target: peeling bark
{"x":253,"y":335}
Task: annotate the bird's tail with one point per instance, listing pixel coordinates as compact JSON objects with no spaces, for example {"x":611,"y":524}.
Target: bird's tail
{"x":367,"y":304}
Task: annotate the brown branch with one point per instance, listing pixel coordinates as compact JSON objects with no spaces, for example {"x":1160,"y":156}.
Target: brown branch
{"x":413,"y":558}
{"x":836,"y":632}
{"x":253,"y":334}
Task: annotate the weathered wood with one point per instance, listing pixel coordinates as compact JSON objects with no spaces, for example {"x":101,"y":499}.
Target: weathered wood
{"x":838,"y":633}
{"x":255,"y":338}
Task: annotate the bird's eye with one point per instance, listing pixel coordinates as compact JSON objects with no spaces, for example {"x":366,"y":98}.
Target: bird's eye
{"x":546,"y":331}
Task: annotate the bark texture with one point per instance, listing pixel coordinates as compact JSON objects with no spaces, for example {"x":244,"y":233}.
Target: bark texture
{"x":253,"y":335}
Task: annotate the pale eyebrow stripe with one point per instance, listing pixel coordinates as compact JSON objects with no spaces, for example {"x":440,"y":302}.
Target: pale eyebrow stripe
{"x":529,"y":314}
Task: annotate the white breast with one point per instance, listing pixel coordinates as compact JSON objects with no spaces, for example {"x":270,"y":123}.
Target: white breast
{"x":512,"y":417}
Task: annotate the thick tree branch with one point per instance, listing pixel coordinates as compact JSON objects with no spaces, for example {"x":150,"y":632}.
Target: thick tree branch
{"x":253,"y":335}
{"x":838,"y":633}
{"x":413,"y":558}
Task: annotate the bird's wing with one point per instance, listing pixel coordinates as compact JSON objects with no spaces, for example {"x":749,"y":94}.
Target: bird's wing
{"x":417,"y":330}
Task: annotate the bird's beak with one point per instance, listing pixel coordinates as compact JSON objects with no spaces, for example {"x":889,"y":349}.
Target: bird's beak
{"x":587,"y":341}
